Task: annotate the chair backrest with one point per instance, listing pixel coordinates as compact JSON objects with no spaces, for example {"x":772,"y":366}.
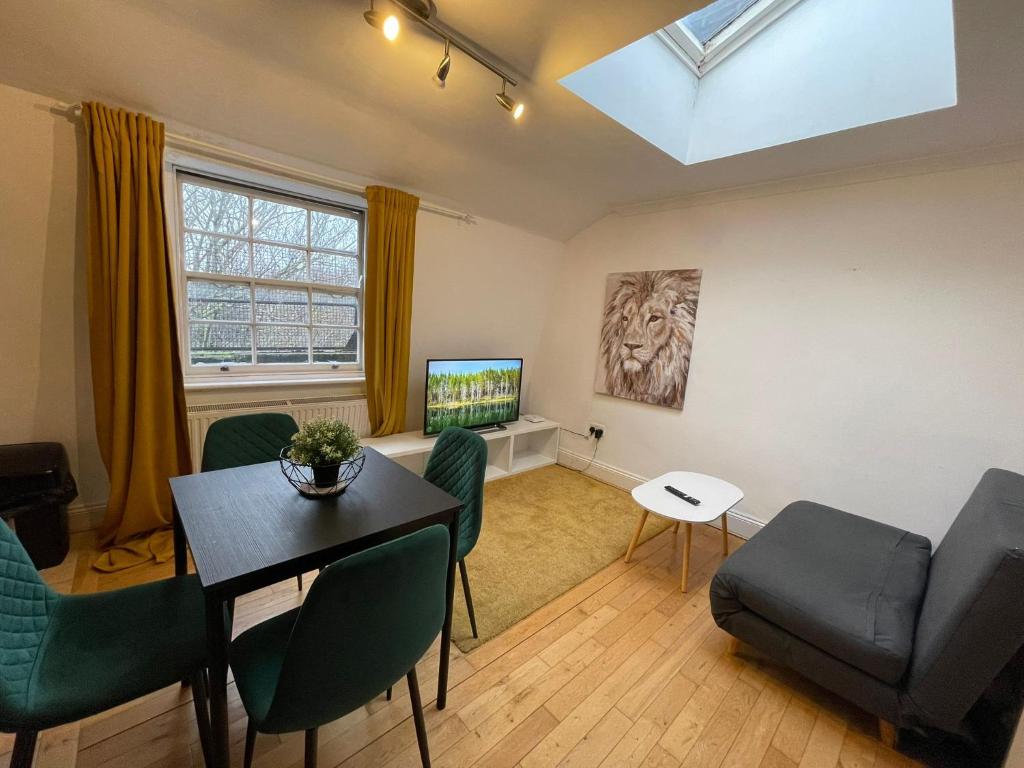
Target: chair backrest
{"x":237,"y":441}
{"x":366,"y":621}
{"x":972,"y":617}
{"x":457,"y":465}
{"x":26,"y":607}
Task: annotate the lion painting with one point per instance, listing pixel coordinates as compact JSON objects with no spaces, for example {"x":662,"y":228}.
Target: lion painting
{"x":647,"y":334}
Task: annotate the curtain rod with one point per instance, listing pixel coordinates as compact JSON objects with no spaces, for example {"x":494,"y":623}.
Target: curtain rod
{"x":217,"y":152}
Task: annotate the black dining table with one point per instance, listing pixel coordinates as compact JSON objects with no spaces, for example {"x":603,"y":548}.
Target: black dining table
{"x":248,"y":528}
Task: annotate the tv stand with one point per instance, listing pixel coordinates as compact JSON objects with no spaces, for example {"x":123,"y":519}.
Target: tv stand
{"x":513,"y":448}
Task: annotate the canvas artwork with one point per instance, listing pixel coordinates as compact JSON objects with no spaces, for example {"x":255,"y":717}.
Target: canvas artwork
{"x":647,"y":335}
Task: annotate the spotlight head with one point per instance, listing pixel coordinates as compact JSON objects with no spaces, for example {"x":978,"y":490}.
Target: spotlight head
{"x":510,"y":104}
{"x":387,"y":24}
{"x":443,"y":68}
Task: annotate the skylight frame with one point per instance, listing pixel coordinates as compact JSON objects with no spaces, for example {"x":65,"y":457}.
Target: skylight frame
{"x":701,"y":58}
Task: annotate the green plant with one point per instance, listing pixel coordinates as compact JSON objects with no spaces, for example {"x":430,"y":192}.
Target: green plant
{"x":322,"y":442}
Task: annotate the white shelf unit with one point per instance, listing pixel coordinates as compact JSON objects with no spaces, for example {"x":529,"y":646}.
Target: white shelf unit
{"x":519,"y":447}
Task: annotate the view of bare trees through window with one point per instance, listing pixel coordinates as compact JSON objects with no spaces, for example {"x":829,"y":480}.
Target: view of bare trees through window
{"x":269,"y":281}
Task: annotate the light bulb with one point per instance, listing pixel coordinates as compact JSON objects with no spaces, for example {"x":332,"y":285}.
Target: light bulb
{"x":518,"y":111}
{"x":391,"y":27}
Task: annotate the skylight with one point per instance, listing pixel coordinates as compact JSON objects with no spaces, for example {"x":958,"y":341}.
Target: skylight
{"x":712,"y":19}
{"x":705,"y":37}
{"x":743,"y":75}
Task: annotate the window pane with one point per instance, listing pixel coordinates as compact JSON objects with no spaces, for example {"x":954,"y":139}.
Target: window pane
{"x":715,"y":17}
{"x":333,"y":309}
{"x":278,"y":263}
{"x":335,"y":345}
{"x":338,"y":233}
{"x":278,"y":222}
{"x":208,"y":300}
{"x":282,"y":344}
{"x":216,"y":255}
{"x":281,"y":305}
{"x":220,"y":343}
{"x":332,"y":269}
{"x":215,"y":210}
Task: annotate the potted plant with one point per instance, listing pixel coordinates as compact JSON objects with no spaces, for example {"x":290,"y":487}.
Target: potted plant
{"x":324,"y":445}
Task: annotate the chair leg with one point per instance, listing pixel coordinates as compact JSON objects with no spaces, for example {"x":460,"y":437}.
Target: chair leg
{"x":389,"y":693}
{"x":250,"y":743}
{"x":469,"y":596}
{"x":24,"y":749}
{"x":417,"y":716}
{"x":299,"y":579}
{"x":200,"y":696}
{"x":725,"y":534}
{"x":887,"y":733}
{"x":311,"y":748}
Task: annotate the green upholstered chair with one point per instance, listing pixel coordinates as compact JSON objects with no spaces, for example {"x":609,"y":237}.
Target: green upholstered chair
{"x":66,"y":657}
{"x":457,"y":464}
{"x":255,"y":438}
{"x":365,"y":623}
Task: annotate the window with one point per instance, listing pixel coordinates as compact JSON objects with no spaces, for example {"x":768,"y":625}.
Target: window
{"x":270,"y":282}
{"x":706,"y":37}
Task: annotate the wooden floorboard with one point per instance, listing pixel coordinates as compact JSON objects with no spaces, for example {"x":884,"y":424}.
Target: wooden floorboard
{"x":623,"y":670}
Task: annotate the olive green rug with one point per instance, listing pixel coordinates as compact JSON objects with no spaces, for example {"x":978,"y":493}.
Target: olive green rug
{"x":543,"y":533}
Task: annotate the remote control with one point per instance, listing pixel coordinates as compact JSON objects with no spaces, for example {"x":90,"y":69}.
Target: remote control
{"x":685,"y":497}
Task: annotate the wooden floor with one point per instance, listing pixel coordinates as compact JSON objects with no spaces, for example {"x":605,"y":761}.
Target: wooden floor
{"x":622,"y":670}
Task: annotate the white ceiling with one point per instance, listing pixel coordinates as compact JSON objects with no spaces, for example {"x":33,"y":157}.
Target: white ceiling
{"x":310,"y":79}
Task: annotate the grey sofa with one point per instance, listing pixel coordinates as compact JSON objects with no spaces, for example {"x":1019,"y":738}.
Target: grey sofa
{"x":867,"y":611}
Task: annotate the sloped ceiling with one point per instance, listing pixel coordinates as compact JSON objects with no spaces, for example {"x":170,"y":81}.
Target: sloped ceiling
{"x":310,"y":79}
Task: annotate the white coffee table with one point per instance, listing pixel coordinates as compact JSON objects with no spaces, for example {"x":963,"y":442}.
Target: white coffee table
{"x":716,"y":496}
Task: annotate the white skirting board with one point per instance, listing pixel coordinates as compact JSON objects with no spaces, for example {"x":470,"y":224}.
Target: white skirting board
{"x":85,"y":517}
{"x":740,"y":523}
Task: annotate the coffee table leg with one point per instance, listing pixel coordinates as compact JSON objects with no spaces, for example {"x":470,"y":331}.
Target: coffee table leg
{"x":725,"y":533}
{"x":636,"y":536}
{"x":446,"y":629}
{"x":675,"y":529}
{"x":686,"y":554}
{"x":217,"y":634}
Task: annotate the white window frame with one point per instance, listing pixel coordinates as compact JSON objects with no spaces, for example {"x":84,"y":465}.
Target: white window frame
{"x":278,"y":189}
{"x":701,"y":59}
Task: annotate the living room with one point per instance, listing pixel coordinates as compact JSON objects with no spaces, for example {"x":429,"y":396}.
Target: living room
{"x":754,"y":243}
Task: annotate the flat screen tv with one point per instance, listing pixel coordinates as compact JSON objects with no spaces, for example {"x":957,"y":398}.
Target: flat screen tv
{"x":474,"y":394}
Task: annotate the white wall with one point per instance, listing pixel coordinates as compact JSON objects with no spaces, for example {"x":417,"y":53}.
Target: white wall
{"x":45,"y":386}
{"x":826,"y":66}
{"x":858,"y":346}
{"x":479,"y":289}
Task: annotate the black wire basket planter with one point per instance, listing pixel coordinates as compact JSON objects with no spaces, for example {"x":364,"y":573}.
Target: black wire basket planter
{"x":322,"y":482}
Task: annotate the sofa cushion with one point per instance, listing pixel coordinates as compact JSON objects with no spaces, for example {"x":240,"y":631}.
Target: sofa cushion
{"x":844,"y":584}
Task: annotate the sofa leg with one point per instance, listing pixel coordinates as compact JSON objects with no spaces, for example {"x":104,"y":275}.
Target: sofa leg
{"x":887,"y":732}
{"x":734,"y":646}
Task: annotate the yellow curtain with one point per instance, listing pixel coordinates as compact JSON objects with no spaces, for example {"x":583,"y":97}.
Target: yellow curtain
{"x":136,"y":371}
{"x":390,"y":250}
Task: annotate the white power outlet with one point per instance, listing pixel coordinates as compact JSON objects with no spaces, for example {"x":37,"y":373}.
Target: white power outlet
{"x":594,"y":426}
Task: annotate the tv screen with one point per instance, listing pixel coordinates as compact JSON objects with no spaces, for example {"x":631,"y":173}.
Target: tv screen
{"x":471,"y":393}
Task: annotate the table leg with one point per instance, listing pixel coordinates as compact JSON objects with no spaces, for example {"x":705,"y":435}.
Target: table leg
{"x":686,"y":554}
{"x":218,"y":634}
{"x":446,"y":629}
{"x":180,"y":545}
{"x":675,"y":529}
{"x":725,"y":533}
{"x":636,"y":536}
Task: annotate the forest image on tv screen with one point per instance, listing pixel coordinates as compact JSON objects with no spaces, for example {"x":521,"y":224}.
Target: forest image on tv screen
{"x":465,"y":393}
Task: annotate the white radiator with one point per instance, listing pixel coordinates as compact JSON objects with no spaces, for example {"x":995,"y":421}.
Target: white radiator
{"x":302,"y":409}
